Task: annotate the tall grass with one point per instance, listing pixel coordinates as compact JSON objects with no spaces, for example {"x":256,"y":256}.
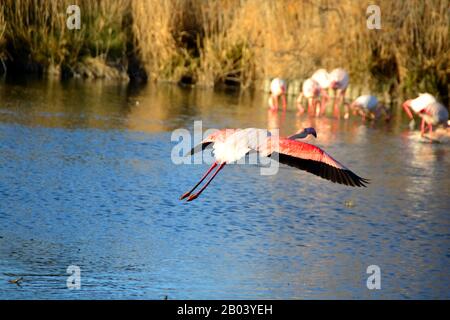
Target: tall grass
{"x":34,"y":31}
{"x":243,"y":41}
{"x":210,"y":42}
{"x":37,"y":35}
{"x":416,"y":40}
{"x":2,"y":41}
{"x":157,"y":35}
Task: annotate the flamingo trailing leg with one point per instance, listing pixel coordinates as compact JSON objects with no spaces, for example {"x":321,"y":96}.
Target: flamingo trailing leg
{"x":200,"y":181}
{"x":218,"y":136}
{"x":195,"y":196}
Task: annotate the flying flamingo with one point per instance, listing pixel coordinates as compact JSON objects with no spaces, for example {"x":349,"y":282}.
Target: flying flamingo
{"x":339,"y":80}
{"x":429,"y":109}
{"x":232,"y":144}
{"x":277,"y":89}
{"x":367,"y":106}
{"x":311,"y":91}
{"x":322,"y":77}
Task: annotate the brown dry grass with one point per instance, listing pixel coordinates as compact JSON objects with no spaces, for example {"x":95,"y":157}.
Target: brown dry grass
{"x":37,"y":34}
{"x":242,"y":41}
{"x":2,"y":39}
{"x":33,"y":28}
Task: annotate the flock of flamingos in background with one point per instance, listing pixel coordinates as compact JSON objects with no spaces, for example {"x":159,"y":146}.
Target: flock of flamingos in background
{"x":315,"y":91}
{"x":231,"y":145}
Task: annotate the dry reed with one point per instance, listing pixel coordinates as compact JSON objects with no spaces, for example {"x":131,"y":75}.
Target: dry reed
{"x":241,"y":41}
{"x":37,"y":35}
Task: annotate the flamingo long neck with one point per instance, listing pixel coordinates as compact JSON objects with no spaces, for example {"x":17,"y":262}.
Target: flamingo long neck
{"x":301,"y":135}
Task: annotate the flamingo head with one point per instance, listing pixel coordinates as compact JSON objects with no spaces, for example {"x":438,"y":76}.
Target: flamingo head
{"x":301,"y":134}
{"x":311,"y":131}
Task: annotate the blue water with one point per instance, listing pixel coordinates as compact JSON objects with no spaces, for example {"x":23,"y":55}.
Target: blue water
{"x":86,"y":179}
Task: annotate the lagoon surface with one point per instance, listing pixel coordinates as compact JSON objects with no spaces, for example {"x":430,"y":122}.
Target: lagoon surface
{"x":86,"y":179}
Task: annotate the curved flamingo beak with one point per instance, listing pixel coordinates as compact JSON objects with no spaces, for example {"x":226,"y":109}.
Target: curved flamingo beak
{"x":312,"y":131}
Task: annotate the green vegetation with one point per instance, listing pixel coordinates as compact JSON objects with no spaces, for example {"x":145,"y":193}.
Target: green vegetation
{"x":236,"y":42}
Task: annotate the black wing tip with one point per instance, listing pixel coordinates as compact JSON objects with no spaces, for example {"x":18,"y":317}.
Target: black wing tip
{"x":325,"y":171}
{"x":356,"y":180}
{"x":190,"y":153}
{"x":200,"y":147}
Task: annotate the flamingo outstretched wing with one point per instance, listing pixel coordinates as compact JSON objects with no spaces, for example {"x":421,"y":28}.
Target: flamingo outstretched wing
{"x":305,"y":156}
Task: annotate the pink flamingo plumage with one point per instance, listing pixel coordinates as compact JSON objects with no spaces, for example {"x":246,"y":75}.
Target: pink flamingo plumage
{"x":232,"y":144}
{"x":339,"y":80}
{"x":367,"y":106}
{"x":322,"y":77}
{"x":429,"y":109}
{"x":311,"y":91}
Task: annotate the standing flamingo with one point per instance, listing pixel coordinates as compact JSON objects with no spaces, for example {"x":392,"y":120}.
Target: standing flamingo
{"x":311,"y":91}
{"x":322,"y":77}
{"x":277,"y":89}
{"x":339,"y":80}
{"x":429,"y":109}
{"x":232,"y":144}
{"x":367,"y":105}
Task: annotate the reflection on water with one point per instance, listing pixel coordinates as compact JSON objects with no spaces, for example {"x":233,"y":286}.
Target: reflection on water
{"x":87,"y":180}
